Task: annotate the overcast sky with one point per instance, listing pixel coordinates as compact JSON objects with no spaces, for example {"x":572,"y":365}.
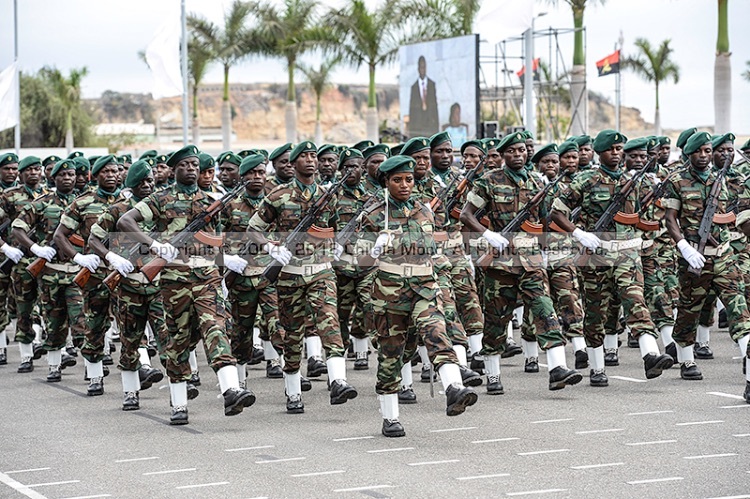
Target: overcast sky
{"x":105,"y":36}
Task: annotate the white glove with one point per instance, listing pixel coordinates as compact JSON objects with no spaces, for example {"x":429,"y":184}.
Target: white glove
{"x":380,"y":243}
{"x":120,"y":264}
{"x":43,"y":252}
{"x":279,"y":253}
{"x":12,"y":253}
{"x":338,"y":250}
{"x":589,"y":240}
{"x":692,"y":255}
{"x":545,"y":259}
{"x":165,"y":251}
{"x":91,"y":262}
{"x":495,"y":239}
{"x":235,"y":263}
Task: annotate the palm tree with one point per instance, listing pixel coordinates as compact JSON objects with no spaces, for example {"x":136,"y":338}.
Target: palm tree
{"x":199,"y":57}
{"x":746,"y":74}
{"x":653,"y":65}
{"x":68,"y":92}
{"x":443,"y":18}
{"x":319,"y":80}
{"x":228,"y":45}
{"x":288,"y":33}
{"x":723,"y":73}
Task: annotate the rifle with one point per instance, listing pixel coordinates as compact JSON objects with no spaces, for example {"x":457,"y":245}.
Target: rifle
{"x":114,"y":278}
{"x":35,"y":268}
{"x":350,"y":228}
{"x":709,"y":213}
{"x":7,"y":265}
{"x":441,"y":196}
{"x":654,"y":196}
{"x":450,"y":205}
{"x":274,"y":268}
{"x":520,"y":221}
{"x":83,"y":275}
{"x":193,"y":230}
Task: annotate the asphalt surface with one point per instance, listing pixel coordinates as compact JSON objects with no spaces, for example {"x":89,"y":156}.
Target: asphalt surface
{"x":658,"y":438}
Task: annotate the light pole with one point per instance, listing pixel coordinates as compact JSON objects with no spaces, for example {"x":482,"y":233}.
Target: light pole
{"x":528,"y":90}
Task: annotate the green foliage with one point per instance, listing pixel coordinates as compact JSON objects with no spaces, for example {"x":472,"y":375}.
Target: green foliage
{"x":746,"y":73}
{"x":120,"y":107}
{"x":653,"y":64}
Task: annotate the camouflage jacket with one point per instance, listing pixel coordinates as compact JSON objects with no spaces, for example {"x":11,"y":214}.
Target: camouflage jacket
{"x":273,"y":182}
{"x":653,"y":212}
{"x":370,"y":184}
{"x":350,"y":201}
{"x":234,"y":221}
{"x":84,"y":212}
{"x":41,"y":217}
{"x":14,"y":199}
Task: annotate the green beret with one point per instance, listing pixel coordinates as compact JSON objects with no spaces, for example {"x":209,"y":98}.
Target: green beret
{"x":607,"y":138}
{"x":65,"y":164}
{"x":695,"y":142}
{"x":528,"y":135}
{"x":567,"y":146}
{"x":50,"y":159}
{"x":544,"y":151}
{"x":138,"y":171}
{"x":746,"y":145}
{"x":75,"y":154}
{"x":28,"y":161}
{"x":328,"y":149}
{"x":262,"y":152}
{"x":474,"y":143}
{"x":396,"y":150}
{"x":720,"y":139}
{"x":120,"y":160}
{"x":415,"y":145}
{"x":276,"y":153}
{"x":349,"y":154}
{"x":581,"y":140}
{"x":161,"y":158}
{"x":439,"y":138}
{"x":664,"y":140}
{"x":635,"y":144}
{"x":397,"y":164}
{"x":128,"y":158}
{"x":8,"y":159}
{"x":83,"y":164}
{"x":684,"y":136}
{"x":363,"y":144}
{"x":230,"y":157}
{"x":151,"y":153}
{"x":243,"y":153}
{"x":302,"y":147}
{"x":511,"y":139}
{"x":206,"y":162}
{"x":102,"y":162}
{"x":92,"y":160}
{"x":490,"y":143}
{"x":376,"y":149}
{"x":653,"y":142}
{"x":251,"y":162}
{"x":189,"y":151}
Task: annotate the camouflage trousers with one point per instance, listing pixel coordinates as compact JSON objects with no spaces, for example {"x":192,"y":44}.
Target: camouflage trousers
{"x":453,"y":326}
{"x":658,"y":300}
{"x":194,"y":311}
{"x":26,"y":291}
{"x":618,"y":278}
{"x":707,"y":311}
{"x":722,"y":276}
{"x":246,"y":296}
{"x":62,"y":308}
{"x":353,"y":293}
{"x":7,"y":302}
{"x":503,"y":293}
{"x":406,"y":310}
{"x":666,"y":259}
{"x":566,"y":295}
{"x":303,"y":299}
{"x":96,"y":307}
{"x":137,"y":305}
{"x":268,"y":320}
{"x":465,"y":291}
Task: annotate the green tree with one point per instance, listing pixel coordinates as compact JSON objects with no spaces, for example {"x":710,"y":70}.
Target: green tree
{"x":441,"y":18}
{"x":723,"y":73}
{"x":68,"y":93}
{"x":746,"y":74}
{"x":199,"y":57}
{"x":653,"y":65}
{"x":319,"y":79}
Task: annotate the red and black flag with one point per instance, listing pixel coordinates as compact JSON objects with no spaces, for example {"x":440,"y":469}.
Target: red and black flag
{"x":535,"y":74}
{"x":609,"y":65}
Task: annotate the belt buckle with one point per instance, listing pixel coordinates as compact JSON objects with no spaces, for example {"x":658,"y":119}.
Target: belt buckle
{"x":308,"y":270}
{"x":408,"y":270}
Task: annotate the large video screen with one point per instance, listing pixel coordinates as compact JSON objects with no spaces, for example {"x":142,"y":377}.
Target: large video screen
{"x":438,"y":88}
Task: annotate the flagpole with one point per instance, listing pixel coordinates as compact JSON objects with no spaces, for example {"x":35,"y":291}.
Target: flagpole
{"x":618,"y":46}
{"x":183,"y":60}
{"x":17,"y":131}
{"x":528,"y":90}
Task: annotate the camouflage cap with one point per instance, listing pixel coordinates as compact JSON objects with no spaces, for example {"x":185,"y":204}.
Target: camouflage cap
{"x":511,"y":139}
{"x":29,"y":161}
{"x":251,"y":162}
{"x":720,"y":139}
{"x":8,"y":159}
{"x":439,"y":138}
{"x":377,"y":149}
{"x":138,"y":171}
{"x":230,"y":157}
{"x":415,"y":145}
{"x":363,"y":144}
{"x":567,"y":146}
{"x":397,"y":164}
{"x":636,"y":144}
{"x":684,"y":136}
{"x":695,"y":142}
{"x":50,"y":159}
{"x":189,"y":151}
{"x":349,"y":154}
{"x":474,"y":143}
{"x":206,"y":162}
{"x":607,"y":138}
{"x":302,"y":147}
{"x":545,"y":151}
{"x":102,"y":162}
{"x":276,"y":153}
{"x":64,"y":164}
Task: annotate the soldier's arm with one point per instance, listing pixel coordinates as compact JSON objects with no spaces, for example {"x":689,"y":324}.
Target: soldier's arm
{"x":100,"y":230}
{"x":671,"y":202}
{"x":261,"y":221}
{"x":475,"y":200}
{"x":69,"y":223}
{"x":22,"y":224}
{"x":129,"y":223}
{"x":563,"y":206}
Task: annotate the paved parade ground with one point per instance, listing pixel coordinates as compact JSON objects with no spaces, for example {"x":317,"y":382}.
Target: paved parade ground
{"x":659,"y":438}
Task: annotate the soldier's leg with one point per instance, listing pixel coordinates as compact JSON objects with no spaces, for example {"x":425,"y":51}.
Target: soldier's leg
{"x":598,"y":295}
{"x":244,"y":300}
{"x":728,"y":285}
{"x":658,"y":301}
{"x":566,"y":296}
{"x":158,"y":321}
{"x":270,"y":331}
{"x":5,"y":324}
{"x":25,"y":291}
{"x":467,"y":299}
{"x":313,"y":348}
{"x":391,"y":332}
{"x":500,"y":299}
{"x":54,"y":309}
{"x":360,"y":332}
{"x":96,"y":306}
{"x":346,"y":297}
{"x":293,"y":318}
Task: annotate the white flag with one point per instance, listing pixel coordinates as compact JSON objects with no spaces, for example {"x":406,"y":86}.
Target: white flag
{"x":502,"y":19}
{"x":9,"y":97}
{"x":163,"y":57}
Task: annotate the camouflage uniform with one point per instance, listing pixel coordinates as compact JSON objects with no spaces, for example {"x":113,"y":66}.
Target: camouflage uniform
{"x":7,"y":299}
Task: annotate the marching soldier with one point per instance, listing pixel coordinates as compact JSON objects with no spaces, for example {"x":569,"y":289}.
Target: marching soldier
{"x":48,"y":164}
{"x":8,"y":176}
{"x":279,"y":158}
{"x":585,"y":152}
{"x":229,"y":169}
{"x":374,"y":157}
{"x":328,"y":160}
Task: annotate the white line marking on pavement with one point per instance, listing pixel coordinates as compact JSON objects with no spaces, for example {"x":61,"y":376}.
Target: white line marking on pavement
{"x":478,"y":477}
{"x":352,"y":438}
{"x":250,"y":448}
{"x":136,"y":459}
{"x":592,"y":466}
{"x":707,"y":456}
{"x":654,"y":480}
{"x":20,"y":488}
{"x":733,"y":406}
{"x":166,"y":472}
{"x":508,"y":439}
{"x":731,"y":497}
{"x":318,"y":473}
{"x":534,"y":453}
{"x":390,"y":450}
{"x":727,"y":395}
{"x":552,"y":421}
{"x":182,"y":487}
{"x":632,"y":380}
{"x":89,"y":497}
{"x":652,"y":442}
{"x":742,"y":435}
{"x":427,"y":463}
{"x":371,"y":487}
{"x":648,"y":413}
{"x":53,"y":483}
{"x":26,"y":471}
{"x":530,"y":492}
{"x":691,"y":423}
{"x":587,"y":432}
{"x":454,"y":429}
{"x":280,"y":460}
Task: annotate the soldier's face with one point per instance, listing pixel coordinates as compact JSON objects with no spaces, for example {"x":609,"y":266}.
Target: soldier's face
{"x":48,"y":171}
{"x":327,"y":165}
{"x":284,"y":169}
{"x":161,"y":173}
{"x":373,"y":163}
{"x":120,"y":174}
{"x":611,"y":157}
{"x":400,"y":186}
{"x":529,"y":147}
{"x":442,"y":156}
{"x":205,"y":178}
{"x":701,"y":158}
{"x":145,"y":188}
{"x":82,"y":178}
{"x":549,"y":165}
{"x":494,"y":159}
{"x":229,"y":174}
{"x":186,"y":171}
{"x":256,"y":179}
{"x":663,"y":154}
{"x":635,"y":160}
{"x":569,"y":162}
{"x":108,"y":177}
{"x":65,"y":180}
{"x":355,"y":165}
{"x":515,"y":156}
{"x":306,"y":164}
{"x":31,"y":175}
{"x":721,"y":153}
{"x":423,"y":162}
{"x":9,"y":173}
{"x":585,"y":155}
{"x":471,"y":158}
